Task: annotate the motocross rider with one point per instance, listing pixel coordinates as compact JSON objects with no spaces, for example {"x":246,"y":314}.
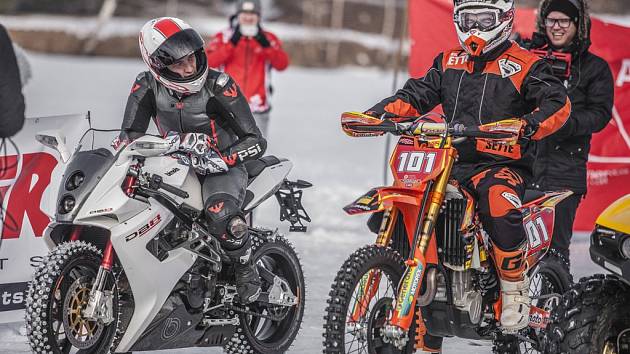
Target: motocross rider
{"x":488,"y":79}
{"x":203,"y":113}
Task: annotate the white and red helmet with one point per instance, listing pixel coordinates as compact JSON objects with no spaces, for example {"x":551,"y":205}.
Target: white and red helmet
{"x":164,"y":41}
{"x":483,"y":24}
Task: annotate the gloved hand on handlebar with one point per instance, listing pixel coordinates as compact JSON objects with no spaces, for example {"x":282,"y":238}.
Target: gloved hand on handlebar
{"x":199,"y":151}
{"x":528,"y":129}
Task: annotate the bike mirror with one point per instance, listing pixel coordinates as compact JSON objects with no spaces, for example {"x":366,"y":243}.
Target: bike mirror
{"x":56,"y":141}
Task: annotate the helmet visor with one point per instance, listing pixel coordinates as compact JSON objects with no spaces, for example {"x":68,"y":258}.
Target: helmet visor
{"x":176,"y":47}
{"x":483,"y":20}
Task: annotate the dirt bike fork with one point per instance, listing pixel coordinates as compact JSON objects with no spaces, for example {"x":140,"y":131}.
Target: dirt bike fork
{"x":100,"y":303}
{"x":368,"y":285}
{"x":410,"y":286}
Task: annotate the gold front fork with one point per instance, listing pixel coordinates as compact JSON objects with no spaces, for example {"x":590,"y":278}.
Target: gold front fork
{"x":411,"y":283}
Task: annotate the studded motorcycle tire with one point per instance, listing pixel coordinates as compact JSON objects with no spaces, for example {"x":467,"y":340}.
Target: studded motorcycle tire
{"x":366,"y":259}
{"x":253,"y":335}
{"x":59,"y":289}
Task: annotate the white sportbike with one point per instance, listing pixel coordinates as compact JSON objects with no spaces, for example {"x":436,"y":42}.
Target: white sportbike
{"x":132,"y":268}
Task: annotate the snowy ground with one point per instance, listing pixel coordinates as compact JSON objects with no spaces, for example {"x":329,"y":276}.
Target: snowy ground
{"x":304,"y":128}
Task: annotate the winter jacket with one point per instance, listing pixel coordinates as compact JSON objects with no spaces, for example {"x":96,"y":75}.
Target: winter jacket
{"x":561,"y":159}
{"x":11,"y":99}
{"x":508,"y":82}
{"x":218,"y":110}
{"x":249,"y":64}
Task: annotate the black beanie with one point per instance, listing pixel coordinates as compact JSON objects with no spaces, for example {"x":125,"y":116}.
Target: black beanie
{"x":567,"y":7}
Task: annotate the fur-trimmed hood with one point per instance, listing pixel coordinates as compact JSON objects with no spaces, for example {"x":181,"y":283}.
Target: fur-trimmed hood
{"x":582,"y":40}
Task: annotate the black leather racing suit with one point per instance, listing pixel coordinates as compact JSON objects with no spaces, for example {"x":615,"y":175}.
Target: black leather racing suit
{"x":219,"y":110}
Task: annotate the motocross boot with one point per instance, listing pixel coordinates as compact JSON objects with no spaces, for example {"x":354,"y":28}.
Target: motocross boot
{"x":246,"y":273}
{"x":515,"y":301}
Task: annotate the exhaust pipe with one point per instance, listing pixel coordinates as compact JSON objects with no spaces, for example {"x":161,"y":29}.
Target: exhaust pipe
{"x":430,"y":290}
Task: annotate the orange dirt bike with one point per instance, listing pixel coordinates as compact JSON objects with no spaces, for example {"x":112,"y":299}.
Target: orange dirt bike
{"x":430,"y":271}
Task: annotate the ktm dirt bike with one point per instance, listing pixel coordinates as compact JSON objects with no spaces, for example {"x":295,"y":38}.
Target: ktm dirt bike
{"x":594,"y":315}
{"x":430,"y":271}
{"x":132,"y":266}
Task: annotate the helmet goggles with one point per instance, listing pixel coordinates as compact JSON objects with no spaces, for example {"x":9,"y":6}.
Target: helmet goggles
{"x":482,"y":19}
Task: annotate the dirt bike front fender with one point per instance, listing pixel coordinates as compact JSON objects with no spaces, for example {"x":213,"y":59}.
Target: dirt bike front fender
{"x":379,"y":199}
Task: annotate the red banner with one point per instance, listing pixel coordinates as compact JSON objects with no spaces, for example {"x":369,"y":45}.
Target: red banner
{"x":432,"y":30}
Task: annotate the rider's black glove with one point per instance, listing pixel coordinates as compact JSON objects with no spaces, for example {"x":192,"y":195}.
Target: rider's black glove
{"x":236,"y":36}
{"x":529,"y":130}
{"x":262,"y":39}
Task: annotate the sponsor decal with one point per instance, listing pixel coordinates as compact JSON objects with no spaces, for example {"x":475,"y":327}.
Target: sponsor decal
{"x":405,"y":141}
{"x":249,"y":152}
{"x":13,"y":296}
{"x":408,"y":290}
{"x":135,"y":88}
{"x":171,"y":328}
{"x":216,"y":208}
{"x":101,"y":211}
{"x":509,"y":68}
{"x":512,"y":198}
{"x":499,"y":148}
{"x":23,"y":186}
{"x":624,"y":73}
{"x":538,"y":318}
{"x":144,"y":229}
{"x":457,"y":58}
{"x":231,"y":92}
{"x":172,"y":172}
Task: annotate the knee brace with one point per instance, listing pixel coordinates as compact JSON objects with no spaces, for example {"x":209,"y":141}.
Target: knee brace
{"x":225,"y":217}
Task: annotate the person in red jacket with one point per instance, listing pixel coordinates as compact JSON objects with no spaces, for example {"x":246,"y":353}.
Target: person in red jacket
{"x":247,"y":53}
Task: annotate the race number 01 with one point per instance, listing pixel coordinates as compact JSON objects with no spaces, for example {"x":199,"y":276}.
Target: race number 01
{"x":535,"y":230}
{"x":412,"y":162}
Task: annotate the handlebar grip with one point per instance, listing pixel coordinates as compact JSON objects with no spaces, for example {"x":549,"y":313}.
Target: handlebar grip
{"x":476,"y":133}
{"x":157,"y":183}
{"x":174,"y":190}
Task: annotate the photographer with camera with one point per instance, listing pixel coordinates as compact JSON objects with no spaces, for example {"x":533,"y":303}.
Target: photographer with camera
{"x":563,"y":38}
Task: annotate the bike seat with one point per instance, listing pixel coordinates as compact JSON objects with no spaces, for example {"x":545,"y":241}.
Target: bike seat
{"x":532,"y":194}
{"x":255,"y":167}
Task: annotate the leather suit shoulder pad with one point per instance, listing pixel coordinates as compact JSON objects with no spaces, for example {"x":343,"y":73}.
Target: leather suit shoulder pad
{"x":221,"y":81}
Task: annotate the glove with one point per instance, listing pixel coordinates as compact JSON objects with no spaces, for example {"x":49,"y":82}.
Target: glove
{"x":208,"y":163}
{"x":262,"y":39}
{"x":236,"y":36}
{"x":202,"y":154}
{"x":380,"y":115}
{"x":528,"y":130}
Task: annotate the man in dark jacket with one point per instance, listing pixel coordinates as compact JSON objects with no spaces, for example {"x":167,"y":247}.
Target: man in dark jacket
{"x":561,"y":159}
{"x":11,"y":99}
{"x":489,"y":79}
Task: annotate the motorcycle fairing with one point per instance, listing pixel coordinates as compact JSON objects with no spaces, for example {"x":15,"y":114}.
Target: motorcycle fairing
{"x":538,"y":222}
{"x":414,"y":163}
{"x":150,"y":279}
{"x":379,"y":199}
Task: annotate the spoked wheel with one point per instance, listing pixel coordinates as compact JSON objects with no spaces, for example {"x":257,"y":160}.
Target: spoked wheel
{"x":277,"y":326}
{"x":55,"y":300}
{"x":545,"y":290}
{"x":360,"y":303}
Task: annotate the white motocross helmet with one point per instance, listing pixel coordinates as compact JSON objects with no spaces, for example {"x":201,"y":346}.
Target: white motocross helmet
{"x":483,"y":24}
{"x":166,"y":40}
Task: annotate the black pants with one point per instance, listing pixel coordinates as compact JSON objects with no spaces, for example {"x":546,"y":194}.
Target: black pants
{"x":499,"y":191}
{"x":563,"y":224}
{"x":223,"y":196}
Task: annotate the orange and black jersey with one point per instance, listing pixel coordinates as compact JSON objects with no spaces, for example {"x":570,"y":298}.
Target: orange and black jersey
{"x":509,"y":82}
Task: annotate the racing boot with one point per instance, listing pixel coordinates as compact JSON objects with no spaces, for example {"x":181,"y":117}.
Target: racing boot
{"x":515,"y":301}
{"x":245,"y":271}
